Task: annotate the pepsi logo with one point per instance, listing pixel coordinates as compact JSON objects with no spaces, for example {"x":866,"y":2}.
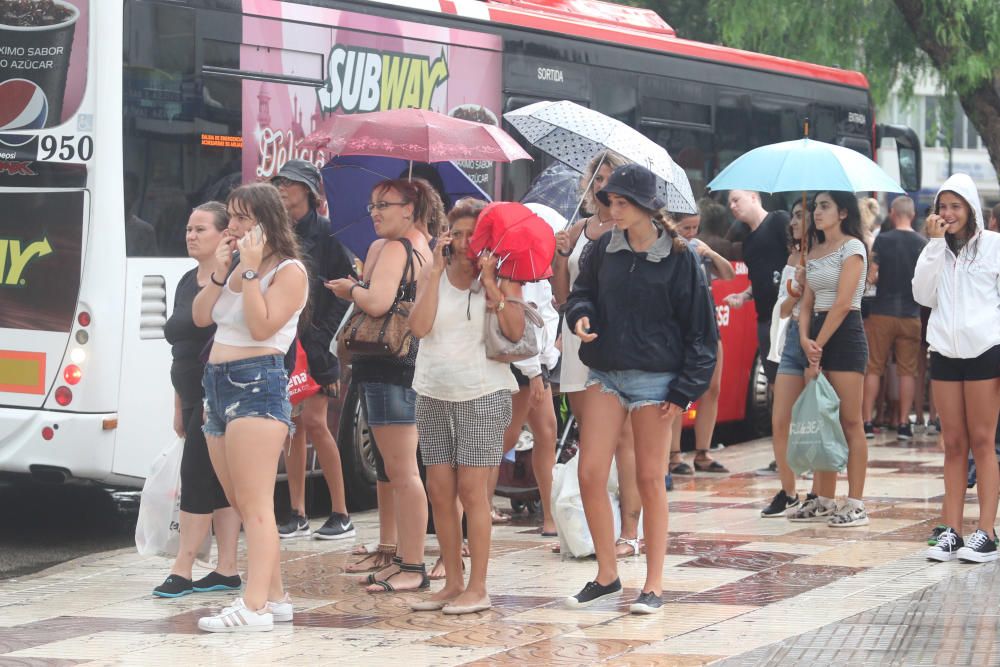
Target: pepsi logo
{"x":23,"y":106}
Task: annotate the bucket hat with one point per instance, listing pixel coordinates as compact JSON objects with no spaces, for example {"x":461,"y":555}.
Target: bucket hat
{"x":635,"y":183}
{"x":304,"y":172}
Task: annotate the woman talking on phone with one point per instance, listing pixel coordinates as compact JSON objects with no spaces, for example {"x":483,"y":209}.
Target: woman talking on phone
{"x":645,"y":316}
{"x":247,"y":412}
{"x":958,"y":277}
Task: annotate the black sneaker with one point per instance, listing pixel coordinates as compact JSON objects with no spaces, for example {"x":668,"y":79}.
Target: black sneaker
{"x":779,"y":505}
{"x":936,"y":533}
{"x":646,"y":603}
{"x":213,"y":581}
{"x":870,"y":430}
{"x":946,"y":549}
{"x":904,"y":432}
{"x":592,"y":592}
{"x":337,"y":527}
{"x":173,"y":586}
{"x":979,"y":549}
{"x":296,"y":526}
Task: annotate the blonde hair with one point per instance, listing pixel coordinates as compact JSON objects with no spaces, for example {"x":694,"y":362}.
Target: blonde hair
{"x":871,"y":210}
{"x":602,"y":159}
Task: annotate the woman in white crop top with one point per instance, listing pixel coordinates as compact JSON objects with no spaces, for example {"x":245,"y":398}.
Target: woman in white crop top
{"x":463,"y":401}
{"x":833,"y":337}
{"x":247,"y":413}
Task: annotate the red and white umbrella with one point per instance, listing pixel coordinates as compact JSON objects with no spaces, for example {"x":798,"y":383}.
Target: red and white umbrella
{"x":416,"y":135}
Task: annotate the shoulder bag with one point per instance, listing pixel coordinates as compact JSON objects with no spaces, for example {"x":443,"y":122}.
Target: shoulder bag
{"x":387,"y":335}
{"x":499,"y":348}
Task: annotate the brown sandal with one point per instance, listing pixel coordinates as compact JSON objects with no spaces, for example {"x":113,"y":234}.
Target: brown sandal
{"x":381,"y":558}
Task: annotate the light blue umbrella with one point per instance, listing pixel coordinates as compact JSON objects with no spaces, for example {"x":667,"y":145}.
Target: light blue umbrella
{"x":804,"y":165}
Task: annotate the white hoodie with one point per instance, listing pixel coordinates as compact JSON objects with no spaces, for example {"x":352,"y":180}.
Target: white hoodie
{"x":964,"y":291}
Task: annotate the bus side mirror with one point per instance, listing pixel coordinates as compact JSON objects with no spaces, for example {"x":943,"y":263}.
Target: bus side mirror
{"x":908,"y":153}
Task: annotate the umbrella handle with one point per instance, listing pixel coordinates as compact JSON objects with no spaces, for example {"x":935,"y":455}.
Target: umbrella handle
{"x":569,"y":223}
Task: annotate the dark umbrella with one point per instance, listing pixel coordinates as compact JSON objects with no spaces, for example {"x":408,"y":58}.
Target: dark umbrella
{"x":558,"y":187}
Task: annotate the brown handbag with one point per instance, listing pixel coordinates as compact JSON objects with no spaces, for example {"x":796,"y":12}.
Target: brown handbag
{"x":387,"y":335}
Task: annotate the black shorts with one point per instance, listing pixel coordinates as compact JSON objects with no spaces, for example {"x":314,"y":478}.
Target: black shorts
{"x":847,"y":349}
{"x":984,"y":367}
{"x":523,"y":380}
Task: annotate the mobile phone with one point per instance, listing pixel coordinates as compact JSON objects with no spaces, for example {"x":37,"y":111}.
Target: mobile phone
{"x":446,"y":251}
{"x":258,"y":233}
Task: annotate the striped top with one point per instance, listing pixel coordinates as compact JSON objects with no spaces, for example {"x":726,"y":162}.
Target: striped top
{"x":823,"y":275}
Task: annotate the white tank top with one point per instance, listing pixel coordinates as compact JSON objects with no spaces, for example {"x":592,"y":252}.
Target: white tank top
{"x":232,"y":329}
{"x":451,"y":362}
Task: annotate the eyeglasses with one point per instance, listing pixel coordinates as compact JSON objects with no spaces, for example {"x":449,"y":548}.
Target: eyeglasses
{"x":282,"y":182}
{"x":382,"y":205}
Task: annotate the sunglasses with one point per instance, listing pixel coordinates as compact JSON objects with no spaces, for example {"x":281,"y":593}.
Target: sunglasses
{"x":382,"y":205}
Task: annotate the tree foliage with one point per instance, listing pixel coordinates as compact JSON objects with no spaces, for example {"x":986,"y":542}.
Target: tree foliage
{"x":891,"y":41}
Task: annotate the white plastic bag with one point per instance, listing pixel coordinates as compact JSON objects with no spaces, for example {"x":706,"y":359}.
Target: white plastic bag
{"x":567,"y":508}
{"x":157,"y":532}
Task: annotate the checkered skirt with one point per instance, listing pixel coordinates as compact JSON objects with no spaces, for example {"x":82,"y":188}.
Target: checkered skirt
{"x":463,"y":433}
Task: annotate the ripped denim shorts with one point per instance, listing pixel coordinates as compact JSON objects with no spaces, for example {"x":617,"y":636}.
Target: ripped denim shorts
{"x":634,"y":389}
{"x":254,"y":387}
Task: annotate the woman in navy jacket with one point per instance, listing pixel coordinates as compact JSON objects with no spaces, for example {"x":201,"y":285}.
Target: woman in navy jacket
{"x":643,"y":310}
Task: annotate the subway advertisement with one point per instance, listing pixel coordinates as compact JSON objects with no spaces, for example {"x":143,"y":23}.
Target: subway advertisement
{"x":365,"y":63}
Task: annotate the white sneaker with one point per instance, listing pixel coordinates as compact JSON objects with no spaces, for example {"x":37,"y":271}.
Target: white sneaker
{"x":813,"y":510}
{"x":849,"y":515}
{"x":238,"y":618}
{"x":282,"y":610}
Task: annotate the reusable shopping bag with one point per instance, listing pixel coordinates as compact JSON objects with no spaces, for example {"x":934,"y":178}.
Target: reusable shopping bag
{"x":158,"y":530}
{"x":567,"y":509}
{"x":816,"y":440}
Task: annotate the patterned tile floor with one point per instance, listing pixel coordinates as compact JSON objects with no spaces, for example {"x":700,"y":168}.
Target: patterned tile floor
{"x":739,"y":589}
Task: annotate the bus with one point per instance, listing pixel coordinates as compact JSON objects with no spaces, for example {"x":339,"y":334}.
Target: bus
{"x":118,"y":116}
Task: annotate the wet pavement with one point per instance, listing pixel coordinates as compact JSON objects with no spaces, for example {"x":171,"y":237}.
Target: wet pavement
{"x":739,"y":589}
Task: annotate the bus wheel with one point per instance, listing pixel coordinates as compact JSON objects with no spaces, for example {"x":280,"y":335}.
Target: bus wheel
{"x":757,"y":423}
{"x":357,"y":454}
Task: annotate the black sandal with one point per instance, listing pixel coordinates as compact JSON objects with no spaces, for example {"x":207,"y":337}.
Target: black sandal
{"x":370,"y":579}
{"x":425,"y":582}
{"x":711,"y":466}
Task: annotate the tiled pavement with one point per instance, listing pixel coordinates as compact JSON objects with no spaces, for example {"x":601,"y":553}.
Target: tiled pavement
{"x":739,"y":589}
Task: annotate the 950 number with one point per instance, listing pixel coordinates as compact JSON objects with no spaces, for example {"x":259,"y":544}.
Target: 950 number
{"x":69,"y":148}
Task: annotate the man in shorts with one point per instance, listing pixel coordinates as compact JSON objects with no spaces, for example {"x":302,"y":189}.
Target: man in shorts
{"x":894,"y":319}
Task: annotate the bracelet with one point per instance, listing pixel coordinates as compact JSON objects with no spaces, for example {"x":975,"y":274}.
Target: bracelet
{"x":350,"y":292}
{"x":214,"y":281}
{"x":564,"y":254}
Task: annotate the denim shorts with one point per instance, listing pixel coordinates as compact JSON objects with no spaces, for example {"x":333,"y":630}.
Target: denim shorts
{"x":254,"y":387}
{"x":633,"y":389}
{"x":793,"y":359}
{"x":389,"y":404}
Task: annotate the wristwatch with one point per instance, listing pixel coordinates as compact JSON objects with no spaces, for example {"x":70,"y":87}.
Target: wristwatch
{"x":250,"y":274}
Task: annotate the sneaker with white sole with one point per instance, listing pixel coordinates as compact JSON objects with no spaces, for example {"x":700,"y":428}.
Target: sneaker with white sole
{"x":593,"y":592}
{"x":337,"y":527}
{"x":282,"y":610}
{"x":781,"y":503}
{"x":646,"y":603}
{"x":813,"y":510}
{"x":849,"y":515}
{"x":948,"y":545}
{"x":296,"y":526}
{"x":980,"y":548}
{"x":238,"y":618}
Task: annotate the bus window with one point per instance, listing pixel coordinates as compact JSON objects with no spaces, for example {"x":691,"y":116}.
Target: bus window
{"x":691,"y":149}
{"x":182,"y":132}
{"x":732,"y":126}
{"x":614,"y":94}
{"x":774,"y":120}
